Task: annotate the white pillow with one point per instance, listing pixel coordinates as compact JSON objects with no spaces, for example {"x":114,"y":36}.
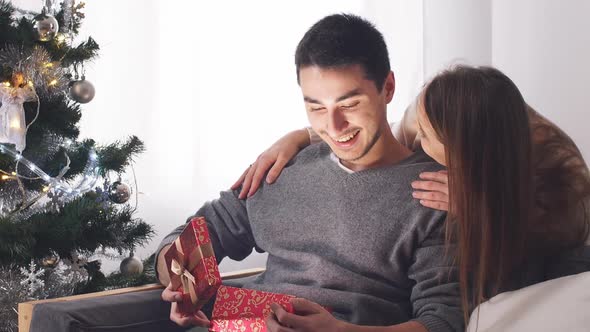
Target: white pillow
{"x":561,"y":304}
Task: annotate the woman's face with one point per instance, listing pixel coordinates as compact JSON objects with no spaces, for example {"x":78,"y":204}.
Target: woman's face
{"x":428,"y":138}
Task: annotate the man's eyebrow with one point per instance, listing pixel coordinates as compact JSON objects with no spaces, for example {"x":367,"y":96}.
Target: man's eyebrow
{"x":345,"y":96}
{"x":350,"y":94}
{"x":311,"y":100}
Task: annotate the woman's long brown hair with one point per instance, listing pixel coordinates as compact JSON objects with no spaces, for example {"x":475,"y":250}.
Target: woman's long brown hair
{"x":497,"y":179}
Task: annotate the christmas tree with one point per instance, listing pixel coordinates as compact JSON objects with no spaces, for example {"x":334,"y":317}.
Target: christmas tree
{"x":62,"y":203}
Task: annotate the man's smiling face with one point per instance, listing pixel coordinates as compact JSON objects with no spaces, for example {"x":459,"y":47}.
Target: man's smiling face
{"x":346,"y":110}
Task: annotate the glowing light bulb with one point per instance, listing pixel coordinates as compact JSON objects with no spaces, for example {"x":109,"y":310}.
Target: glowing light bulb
{"x":15,"y":124}
{"x":46,"y":178}
{"x":52,"y":83}
{"x":5,"y":177}
{"x":13,"y":173}
{"x":48,"y":65}
{"x":45,"y":189}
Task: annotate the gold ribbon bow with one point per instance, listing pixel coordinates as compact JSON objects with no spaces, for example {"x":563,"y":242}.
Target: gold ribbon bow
{"x":179,"y":267}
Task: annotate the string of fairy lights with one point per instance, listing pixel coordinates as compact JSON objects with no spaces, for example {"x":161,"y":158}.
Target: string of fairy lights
{"x":57,"y":183}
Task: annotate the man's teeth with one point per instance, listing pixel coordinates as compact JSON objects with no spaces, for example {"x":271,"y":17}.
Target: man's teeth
{"x":347,"y":138}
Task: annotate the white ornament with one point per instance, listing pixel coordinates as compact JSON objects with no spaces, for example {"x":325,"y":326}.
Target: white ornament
{"x":76,"y":263}
{"x":13,"y":128}
{"x":32,"y":278}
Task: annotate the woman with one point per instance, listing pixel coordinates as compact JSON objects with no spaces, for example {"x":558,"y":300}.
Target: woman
{"x":517,"y":187}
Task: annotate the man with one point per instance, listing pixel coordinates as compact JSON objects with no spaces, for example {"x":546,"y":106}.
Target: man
{"x":339,"y":225}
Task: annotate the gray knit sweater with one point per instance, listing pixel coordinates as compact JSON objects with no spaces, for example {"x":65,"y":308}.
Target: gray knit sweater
{"x":357,"y":243}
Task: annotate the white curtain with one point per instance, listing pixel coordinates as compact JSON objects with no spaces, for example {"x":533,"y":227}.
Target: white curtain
{"x":208,"y":85}
{"x":234,"y":61}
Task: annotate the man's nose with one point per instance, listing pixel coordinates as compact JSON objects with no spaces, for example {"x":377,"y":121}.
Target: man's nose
{"x":337,"y":122}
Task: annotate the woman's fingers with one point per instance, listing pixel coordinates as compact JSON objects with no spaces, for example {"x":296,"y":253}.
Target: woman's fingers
{"x":442,"y":206}
{"x":431,"y":186}
{"x":440,"y":176}
{"x":261,"y":167}
{"x":431,"y":196}
{"x":277,"y":156}
{"x":276,"y":169}
{"x":247,"y":181}
{"x":252,"y":178}
{"x":432,"y":190}
{"x":237,"y":184}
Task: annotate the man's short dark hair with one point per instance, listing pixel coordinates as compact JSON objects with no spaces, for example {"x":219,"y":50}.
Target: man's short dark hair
{"x":343,"y":40}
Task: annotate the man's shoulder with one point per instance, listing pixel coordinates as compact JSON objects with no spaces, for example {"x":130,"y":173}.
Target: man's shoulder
{"x":313,"y":153}
{"x":419,"y":157}
{"x":415,"y":164}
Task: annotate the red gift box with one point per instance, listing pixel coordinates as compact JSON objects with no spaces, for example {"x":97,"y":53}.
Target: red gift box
{"x":192,"y":266}
{"x":194,"y":272}
{"x":244,"y":310}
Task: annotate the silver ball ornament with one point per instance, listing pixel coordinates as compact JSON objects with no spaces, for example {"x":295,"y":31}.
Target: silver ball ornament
{"x":46,"y":27}
{"x":119,"y":192}
{"x":82,"y":91}
{"x":131,"y":266}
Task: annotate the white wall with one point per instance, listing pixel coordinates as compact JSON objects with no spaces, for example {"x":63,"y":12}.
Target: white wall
{"x":544,"y":46}
{"x":456,"y":31}
{"x":208,"y":85}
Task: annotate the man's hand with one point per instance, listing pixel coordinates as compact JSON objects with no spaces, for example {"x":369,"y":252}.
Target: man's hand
{"x":198,"y":319}
{"x":433,"y":190}
{"x":163,"y":276}
{"x":308,"y":316}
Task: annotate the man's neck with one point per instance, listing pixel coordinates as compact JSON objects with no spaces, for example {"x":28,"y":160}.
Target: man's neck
{"x":386,"y":151}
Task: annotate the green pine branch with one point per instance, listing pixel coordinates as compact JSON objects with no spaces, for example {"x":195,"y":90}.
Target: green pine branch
{"x":6,"y":10}
{"x":117,"y":156}
{"x":84,"y":224}
{"x":99,"y":282}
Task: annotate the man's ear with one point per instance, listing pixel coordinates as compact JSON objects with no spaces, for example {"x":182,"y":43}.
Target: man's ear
{"x":389,"y":87}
